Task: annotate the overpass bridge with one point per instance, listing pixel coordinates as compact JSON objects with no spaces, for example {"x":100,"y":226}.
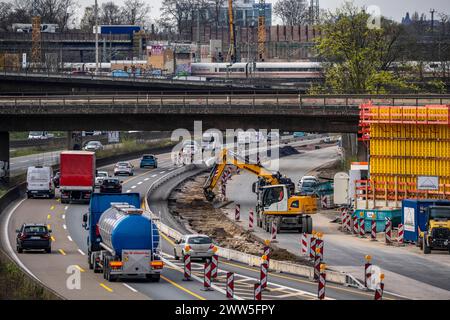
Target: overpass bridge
{"x":288,"y":112}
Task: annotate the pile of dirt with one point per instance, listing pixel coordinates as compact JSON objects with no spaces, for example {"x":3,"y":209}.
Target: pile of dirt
{"x":189,"y":205}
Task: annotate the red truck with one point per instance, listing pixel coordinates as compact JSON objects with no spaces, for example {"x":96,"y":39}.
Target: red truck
{"x":77,"y":169}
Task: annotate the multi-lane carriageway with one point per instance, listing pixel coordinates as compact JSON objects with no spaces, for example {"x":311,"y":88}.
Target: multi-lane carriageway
{"x":69,"y":249}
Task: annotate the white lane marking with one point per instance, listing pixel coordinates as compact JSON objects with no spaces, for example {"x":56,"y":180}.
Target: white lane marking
{"x":154,"y":175}
{"x":146,"y":179}
{"x":8,"y":243}
{"x":82,"y":253}
{"x":133,"y":187}
{"x":129,"y":287}
{"x":64,"y":226}
{"x":70,"y":238}
{"x":66,"y":207}
{"x":23,"y":161}
{"x":128,"y":191}
{"x":162,"y":172}
{"x":140,"y":182}
{"x":63,"y":216}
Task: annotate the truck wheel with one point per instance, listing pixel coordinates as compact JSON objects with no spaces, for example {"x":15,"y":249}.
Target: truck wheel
{"x":91,"y":266}
{"x":426,"y":248}
{"x":309,"y":224}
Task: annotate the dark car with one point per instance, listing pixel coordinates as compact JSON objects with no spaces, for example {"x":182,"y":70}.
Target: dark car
{"x":111,"y":185}
{"x":56,"y":179}
{"x":34,"y":237}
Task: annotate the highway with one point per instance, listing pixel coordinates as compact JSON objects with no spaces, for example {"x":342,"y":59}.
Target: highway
{"x":406,"y":268}
{"x":69,"y":248}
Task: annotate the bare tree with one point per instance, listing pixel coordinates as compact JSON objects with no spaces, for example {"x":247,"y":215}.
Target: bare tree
{"x":215,"y":6}
{"x":135,"y":12}
{"x":110,"y":13}
{"x":88,"y":20}
{"x":176,"y":13}
{"x":6,"y":11}
{"x":292,"y":12}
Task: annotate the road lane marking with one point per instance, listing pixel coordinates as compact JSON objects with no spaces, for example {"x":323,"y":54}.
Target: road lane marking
{"x":128,"y":191}
{"x":66,"y":207}
{"x":130,"y":287}
{"x":48,"y":217}
{"x":63,"y":216}
{"x":53,"y":238}
{"x":49,"y":227}
{"x":140,"y":182}
{"x":52,"y":208}
{"x":64,"y":226}
{"x":70,"y":238}
{"x":162,"y":172}
{"x":133,"y":187}
{"x":79,"y":268}
{"x":182,"y":288}
{"x":106,"y":287}
{"x":154,"y":175}
{"x":81,"y":252}
{"x":146,"y":179}
{"x":62,"y":252}
{"x":168,"y":239}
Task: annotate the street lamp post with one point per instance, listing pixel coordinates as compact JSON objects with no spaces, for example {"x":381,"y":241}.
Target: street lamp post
{"x":96,"y":36}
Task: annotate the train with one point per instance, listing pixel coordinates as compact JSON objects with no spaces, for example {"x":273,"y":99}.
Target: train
{"x":306,"y":71}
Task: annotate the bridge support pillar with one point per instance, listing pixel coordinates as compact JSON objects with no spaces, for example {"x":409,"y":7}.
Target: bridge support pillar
{"x":74,"y":140}
{"x":354,"y":150}
{"x":4,"y":156}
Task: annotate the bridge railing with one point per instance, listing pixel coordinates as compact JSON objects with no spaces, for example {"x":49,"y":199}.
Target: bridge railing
{"x":197,"y":100}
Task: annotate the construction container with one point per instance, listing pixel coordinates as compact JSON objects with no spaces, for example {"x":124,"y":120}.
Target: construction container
{"x":380,"y":216}
{"x":414,"y":217}
{"x":407,"y":145}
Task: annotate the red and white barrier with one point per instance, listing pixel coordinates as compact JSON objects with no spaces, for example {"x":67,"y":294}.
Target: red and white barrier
{"x":257,"y":291}
{"x":214,"y":266}
{"x":207,"y":276}
{"x":400,"y":233}
{"x":187,"y":267}
{"x":250,"y":220}
{"x":263,"y":273}
{"x":273,"y":234}
{"x":343,"y":219}
{"x":380,"y":288}
{"x":237,"y":212}
{"x":373,"y":230}
{"x":266,"y":252}
{"x":312,"y":247}
{"x":317,"y":263}
{"x":355,"y":225}
{"x":223,"y":190}
{"x":388,"y":232}
{"x":304,"y":241}
{"x":349,"y":221}
{"x":322,"y":282}
{"x":367,"y":274}
{"x":362,"y":229}
{"x":319,"y":248}
{"x":230,"y":285}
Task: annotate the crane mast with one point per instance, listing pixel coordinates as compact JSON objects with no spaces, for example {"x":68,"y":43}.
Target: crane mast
{"x":36,"y":55}
{"x":232,"y":48}
{"x":261,"y":30}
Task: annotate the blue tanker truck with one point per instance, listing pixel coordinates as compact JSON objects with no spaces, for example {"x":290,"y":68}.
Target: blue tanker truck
{"x":122,"y":239}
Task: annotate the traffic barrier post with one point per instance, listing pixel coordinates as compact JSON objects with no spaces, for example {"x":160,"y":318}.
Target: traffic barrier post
{"x":400,"y":233}
{"x":230,"y":285}
{"x":207,"y":276}
{"x":373,"y":230}
{"x":274,"y":231}
{"x":312,"y":247}
{"x":266,"y":251}
{"x":388,"y":232}
{"x":322,"y":283}
{"x":362,"y":231}
{"x":355,"y":226}
{"x":223,"y":190}
{"x":367,"y":274}
{"x":320,"y":245}
{"x":214,"y":264}
{"x":263,"y":272}
{"x":304,"y":243}
{"x":343,"y":219}
{"x":349,"y":221}
{"x":317,"y":263}
{"x":250,"y":220}
{"x":237,"y":212}
{"x":187,"y":266}
{"x":257,"y":291}
{"x":380,"y":288}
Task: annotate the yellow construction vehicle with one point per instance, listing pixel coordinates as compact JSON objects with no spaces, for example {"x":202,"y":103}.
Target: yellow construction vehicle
{"x":276,"y":199}
{"x":437,"y":233}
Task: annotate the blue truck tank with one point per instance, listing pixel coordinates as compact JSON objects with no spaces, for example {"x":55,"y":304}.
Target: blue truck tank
{"x":414,"y":216}
{"x":126,"y":227}
{"x":99,"y":203}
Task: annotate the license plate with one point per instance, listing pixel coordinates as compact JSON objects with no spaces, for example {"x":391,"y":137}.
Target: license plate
{"x":35,"y":238}
{"x":34,"y":192}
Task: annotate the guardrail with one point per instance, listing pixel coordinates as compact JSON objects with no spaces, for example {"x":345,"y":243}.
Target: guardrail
{"x":248,"y":259}
{"x":301,"y":101}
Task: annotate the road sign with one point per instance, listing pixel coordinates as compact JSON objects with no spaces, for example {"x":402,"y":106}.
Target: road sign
{"x":113,"y":136}
{"x":427,"y":183}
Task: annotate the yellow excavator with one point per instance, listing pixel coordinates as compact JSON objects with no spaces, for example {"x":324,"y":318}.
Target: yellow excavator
{"x":276,"y":198}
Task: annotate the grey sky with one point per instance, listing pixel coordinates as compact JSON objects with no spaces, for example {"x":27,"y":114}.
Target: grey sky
{"x":390,"y":8}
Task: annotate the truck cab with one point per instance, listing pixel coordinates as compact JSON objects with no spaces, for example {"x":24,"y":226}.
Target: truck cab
{"x":437,"y":233}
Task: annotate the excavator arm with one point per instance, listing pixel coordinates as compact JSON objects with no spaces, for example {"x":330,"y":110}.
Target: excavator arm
{"x":227,"y":157}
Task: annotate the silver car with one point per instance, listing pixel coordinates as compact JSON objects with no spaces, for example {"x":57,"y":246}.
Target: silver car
{"x":93,"y":146}
{"x":124,"y":167}
{"x":200,"y":246}
{"x":101,"y":175}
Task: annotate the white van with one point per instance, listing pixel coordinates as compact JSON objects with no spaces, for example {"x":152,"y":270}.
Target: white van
{"x":39,"y":135}
{"x":40,"y":182}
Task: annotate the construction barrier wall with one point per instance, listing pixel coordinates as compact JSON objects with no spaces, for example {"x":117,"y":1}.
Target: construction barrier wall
{"x":406,"y":143}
